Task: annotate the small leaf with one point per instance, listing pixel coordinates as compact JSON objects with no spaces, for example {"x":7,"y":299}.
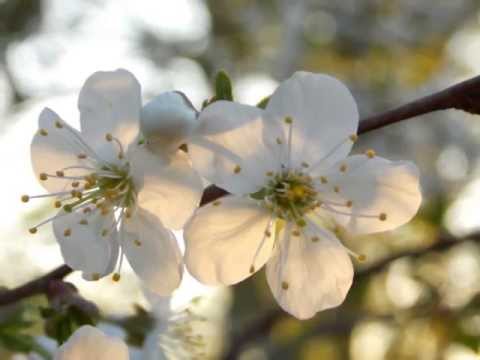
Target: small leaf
{"x":223,"y":87}
{"x":264,"y":102}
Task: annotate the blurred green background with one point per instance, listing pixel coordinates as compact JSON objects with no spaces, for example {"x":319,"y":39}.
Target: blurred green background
{"x":423,"y":305}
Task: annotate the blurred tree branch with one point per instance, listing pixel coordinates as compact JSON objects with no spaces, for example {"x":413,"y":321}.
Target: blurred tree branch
{"x":262,"y":326}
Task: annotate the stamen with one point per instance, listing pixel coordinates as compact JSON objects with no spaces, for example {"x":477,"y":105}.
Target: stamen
{"x":323,"y":180}
{"x":43,"y":176}
{"x":25,"y":198}
{"x":110,"y":138}
{"x":60,"y":173}
{"x":353,"y":138}
{"x":32,"y":230}
{"x":382,"y":217}
{"x":237,"y":169}
{"x":116,"y":277}
{"x":266,"y":234}
{"x":95,"y":276}
{"x":43,"y":132}
{"x":285,"y":285}
{"x":343,"y":168}
{"x":216,"y":203}
{"x":82,"y":156}
{"x":289,"y":122}
{"x":58,"y":124}
{"x":67,"y":232}
{"x":370,"y":153}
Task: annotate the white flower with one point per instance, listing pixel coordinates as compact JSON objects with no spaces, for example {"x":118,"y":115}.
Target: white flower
{"x":168,"y":119}
{"x":90,"y":343}
{"x":116,"y":198}
{"x":176,"y":334}
{"x":288,"y":171}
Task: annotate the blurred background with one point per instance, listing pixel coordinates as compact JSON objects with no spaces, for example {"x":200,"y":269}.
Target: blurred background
{"x":422,"y":305}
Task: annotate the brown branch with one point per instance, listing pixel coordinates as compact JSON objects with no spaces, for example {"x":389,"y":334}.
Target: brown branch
{"x":260,"y":327}
{"x":34,"y":287}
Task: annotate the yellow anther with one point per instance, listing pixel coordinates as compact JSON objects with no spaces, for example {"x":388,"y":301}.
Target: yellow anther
{"x":43,"y":132}
{"x":25,"y":198}
{"x":285,"y":285}
{"x":104,"y":210}
{"x":288,"y":120}
{"x":269,"y":173}
{"x":120,"y":156}
{"x":362,"y":257}
{"x":57,"y":204}
{"x":216,"y":203}
{"x":343,"y":167}
{"x":370,"y":153}
{"x":83,"y":222}
{"x":296,"y":233}
{"x":67,"y":208}
{"x":237,"y":169}
{"x":268,"y":233}
{"x":315,"y":238}
{"x":301,"y":223}
{"x":67,"y":232}
{"x":336,"y":189}
{"x":32,"y":230}
{"x":349,"y":203}
{"x":353,"y":138}
{"x":87,"y":210}
{"x":104,"y":232}
{"x":323,"y":180}
{"x":279,"y":141}
{"x":60,"y":173}
{"x":95,"y":276}
{"x":128,"y":213}
{"x":81,"y":156}
{"x":305,"y":165}
{"x":116,"y":277}
{"x":87,"y":186}
{"x":58,"y":124}
{"x":43,"y":176}
{"x":252,"y":269}
{"x":382,"y":217}
{"x":108,"y":137}
{"x":75,"y":184}
{"x":137,"y":242}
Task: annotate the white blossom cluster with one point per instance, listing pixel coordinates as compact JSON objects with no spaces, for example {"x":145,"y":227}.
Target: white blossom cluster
{"x":124,"y":182}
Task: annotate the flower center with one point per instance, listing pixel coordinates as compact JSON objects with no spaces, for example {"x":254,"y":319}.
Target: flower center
{"x":289,"y":195}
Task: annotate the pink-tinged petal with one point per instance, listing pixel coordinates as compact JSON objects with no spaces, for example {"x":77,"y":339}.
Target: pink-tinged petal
{"x":383,"y":194}
{"x":152,"y":251}
{"x":170,"y":189}
{"x":310,"y":272}
{"x":90,"y":343}
{"x":225,"y":239}
{"x":324,"y":116}
{"x":110,"y":103}
{"x":229,"y":149}
{"x":84,"y":244}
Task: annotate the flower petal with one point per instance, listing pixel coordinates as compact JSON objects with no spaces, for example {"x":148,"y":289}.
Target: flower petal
{"x":307,"y":276}
{"x":222,"y":239}
{"x":152,"y":251}
{"x":55,"y":147}
{"x":110,"y":102}
{"x":387,"y":192}
{"x":170,"y":190}
{"x":82,"y":245}
{"x":88,"y":342}
{"x":324,"y":116}
{"x":229,"y":149}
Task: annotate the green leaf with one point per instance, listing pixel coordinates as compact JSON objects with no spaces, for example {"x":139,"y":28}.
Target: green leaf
{"x":223,"y":86}
{"x":17,"y":342}
{"x":264,"y":102}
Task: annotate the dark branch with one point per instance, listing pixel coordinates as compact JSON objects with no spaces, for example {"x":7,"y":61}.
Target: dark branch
{"x":34,"y":287}
{"x":263,"y":325}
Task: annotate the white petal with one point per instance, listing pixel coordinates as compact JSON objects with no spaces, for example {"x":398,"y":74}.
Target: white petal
{"x":54,"y":148}
{"x":308,"y":276}
{"x":110,"y":102}
{"x":229,"y":150}
{"x":324,"y":115}
{"x":152,"y":251}
{"x":222,"y":239}
{"x":170,"y":190}
{"x":376,"y":187}
{"x":90,"y":343}
{"x":167,"y":121}
{"x":82,"y":245}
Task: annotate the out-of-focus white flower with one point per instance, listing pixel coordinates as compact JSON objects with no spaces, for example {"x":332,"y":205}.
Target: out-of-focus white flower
{"x":90,"y":343}
{"x":288,"y":171}
{"x":176,"y":333}
{"x":116,"y":198}
{"x":167,"y":121}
